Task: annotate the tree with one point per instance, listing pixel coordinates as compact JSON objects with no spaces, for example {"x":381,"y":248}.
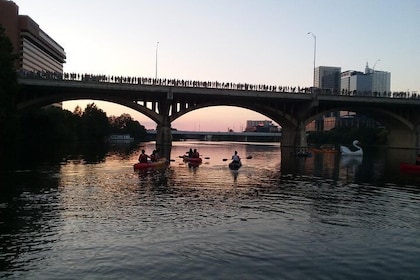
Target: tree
{"x":125,"y":124}
{"x":95,"y":125}
{"x":8,"y":91}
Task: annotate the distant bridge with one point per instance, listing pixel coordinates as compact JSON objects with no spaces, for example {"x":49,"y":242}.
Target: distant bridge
{"x":222,"y":136}
{"x":164,"y":101}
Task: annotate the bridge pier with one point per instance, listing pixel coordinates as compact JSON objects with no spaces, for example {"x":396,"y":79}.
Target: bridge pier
{"x":294,"y":136}
{"x":163,"y":129}
{"x":403,"y":138}
{"x":164,"y":140}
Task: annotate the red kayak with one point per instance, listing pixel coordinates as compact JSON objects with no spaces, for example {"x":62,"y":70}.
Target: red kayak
{"x":409,"y":168}
{"x":193,"y":160}
{"x":151,"y":164}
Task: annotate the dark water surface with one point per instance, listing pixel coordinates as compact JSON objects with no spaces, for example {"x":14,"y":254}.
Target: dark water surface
{"x":325,"y":217}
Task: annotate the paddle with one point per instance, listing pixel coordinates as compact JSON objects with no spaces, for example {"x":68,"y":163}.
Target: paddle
{"x":248,"y":157}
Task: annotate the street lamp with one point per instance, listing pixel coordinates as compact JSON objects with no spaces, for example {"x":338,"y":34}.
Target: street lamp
{"x":313,"y":35}
{"x":157,"y":46}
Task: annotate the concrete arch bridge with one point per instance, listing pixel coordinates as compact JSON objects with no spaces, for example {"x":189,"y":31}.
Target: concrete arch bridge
{"x":166,"y":103}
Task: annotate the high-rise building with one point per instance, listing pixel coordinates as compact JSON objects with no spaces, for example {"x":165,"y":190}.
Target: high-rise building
{"x":328,"y":78}
{"x":355,"y":82}
{"x":37,"y":51}
{"x":367,"y":83}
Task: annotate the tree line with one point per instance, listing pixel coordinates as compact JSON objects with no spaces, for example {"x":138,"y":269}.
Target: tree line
{"x":89,"y":125}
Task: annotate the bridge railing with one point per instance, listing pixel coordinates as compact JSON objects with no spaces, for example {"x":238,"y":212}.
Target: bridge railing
{"x":204,"y":84}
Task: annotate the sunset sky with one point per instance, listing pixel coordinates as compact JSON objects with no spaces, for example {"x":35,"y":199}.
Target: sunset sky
{"x":260,"y":42}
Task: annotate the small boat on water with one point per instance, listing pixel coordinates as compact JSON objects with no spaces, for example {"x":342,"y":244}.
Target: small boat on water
{"x":235,"y":165}
{"x":325,"y":149}
{"x":192,"y":160}
{"x":150,"y":164}
{"x":406,"y":167}
{"x":302,"y":154}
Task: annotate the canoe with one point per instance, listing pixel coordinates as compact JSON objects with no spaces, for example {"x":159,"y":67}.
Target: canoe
{"x":409,"y":167}
{"x":151,"y":164}
{"x":193,"y":160}
{"x":234,"y":165}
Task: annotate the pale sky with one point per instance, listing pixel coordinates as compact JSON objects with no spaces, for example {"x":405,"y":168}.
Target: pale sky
{"x":259,"y":42}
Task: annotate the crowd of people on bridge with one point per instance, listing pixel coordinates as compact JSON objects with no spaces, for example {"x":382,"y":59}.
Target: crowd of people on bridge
{"x":203,"y":84}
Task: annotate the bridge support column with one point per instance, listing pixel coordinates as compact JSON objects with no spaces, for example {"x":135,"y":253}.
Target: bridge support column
{"x":294,"y":136}
{"x":301,"y":141}
{"x":163,"y":129}
{"x":164,"y":139}
{"x":403,"y":138}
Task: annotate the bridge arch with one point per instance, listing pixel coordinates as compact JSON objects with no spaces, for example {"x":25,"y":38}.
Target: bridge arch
{"x":282,"y":119}
{"x":401,"y":131}
{"x":48,"y":100}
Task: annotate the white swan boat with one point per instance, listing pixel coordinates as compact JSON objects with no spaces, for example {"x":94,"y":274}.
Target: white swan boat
{"x":347,"y":152}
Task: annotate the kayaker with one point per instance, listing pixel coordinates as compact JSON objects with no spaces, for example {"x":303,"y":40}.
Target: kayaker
{"x":190,"y":153}
{"x":236,"y":157}
{"x":196,"y":154}
{"x":154,"y":156}
{"x":143,"y":157}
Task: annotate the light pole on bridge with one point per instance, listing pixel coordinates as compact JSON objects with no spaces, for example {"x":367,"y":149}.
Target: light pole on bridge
{"x":156,"y":62}
{"x":313,"y":35}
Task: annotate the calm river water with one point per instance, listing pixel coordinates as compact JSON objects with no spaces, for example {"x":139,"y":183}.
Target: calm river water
{"x":325,"y":217}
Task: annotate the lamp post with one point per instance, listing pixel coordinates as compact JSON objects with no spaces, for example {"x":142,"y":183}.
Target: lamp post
{"x":156,"y":62}
{"x":313,"y":35}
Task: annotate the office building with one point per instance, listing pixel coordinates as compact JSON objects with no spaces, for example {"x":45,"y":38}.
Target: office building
{"x":328,"y":78}
{"x":371,"y":82}
{"x":37,"y":51}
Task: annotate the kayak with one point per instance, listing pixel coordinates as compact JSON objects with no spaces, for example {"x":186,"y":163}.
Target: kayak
{"x":150,"y":164}
{"x":325,"y":149}
{"x":193,"y":160}
{"x":234,"y":165}
{"x":409,"y":167}
{"x":192,"y":164}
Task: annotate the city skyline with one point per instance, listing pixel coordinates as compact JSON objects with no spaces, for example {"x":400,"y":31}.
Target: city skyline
{"x":239,"y":41}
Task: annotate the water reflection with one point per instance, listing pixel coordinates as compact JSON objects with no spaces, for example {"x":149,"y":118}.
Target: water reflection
{"x":279,"y":216}
{"x":29,"y":214}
